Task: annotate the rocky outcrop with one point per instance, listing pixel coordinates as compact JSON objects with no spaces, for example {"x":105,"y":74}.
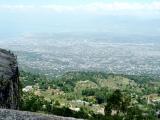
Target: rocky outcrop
{"x":9,"y":80}
{"x":19,"y":115}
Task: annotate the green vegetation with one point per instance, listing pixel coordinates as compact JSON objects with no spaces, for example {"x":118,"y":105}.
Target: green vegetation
{"x":35,"y":103}
{"x":93,"y":95}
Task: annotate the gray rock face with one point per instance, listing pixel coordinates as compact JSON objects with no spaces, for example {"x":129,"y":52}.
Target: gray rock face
{"x":19,"y":115}
{"x":9,"y":80}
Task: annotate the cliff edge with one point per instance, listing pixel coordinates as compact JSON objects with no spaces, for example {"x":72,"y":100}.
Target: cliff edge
{"x":9,"y":80}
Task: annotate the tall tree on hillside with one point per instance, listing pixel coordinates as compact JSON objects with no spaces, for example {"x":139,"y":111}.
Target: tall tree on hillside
{"x":117,"y":102}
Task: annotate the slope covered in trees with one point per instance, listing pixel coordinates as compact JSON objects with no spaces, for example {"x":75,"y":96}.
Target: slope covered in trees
{"x":93,"y":95}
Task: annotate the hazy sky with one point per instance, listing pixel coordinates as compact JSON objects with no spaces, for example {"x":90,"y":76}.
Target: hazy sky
{"x":115,"y":16}
{"x":70,"y":1}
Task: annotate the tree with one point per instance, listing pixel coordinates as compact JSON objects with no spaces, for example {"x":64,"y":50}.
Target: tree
{"x":114,"y":102}
{"x":118,"y":102}
{"x":134,"y":113}
{"x":57,"y":103}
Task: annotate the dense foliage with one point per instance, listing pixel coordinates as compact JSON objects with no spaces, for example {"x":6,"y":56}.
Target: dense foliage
{"x":121,"y":96}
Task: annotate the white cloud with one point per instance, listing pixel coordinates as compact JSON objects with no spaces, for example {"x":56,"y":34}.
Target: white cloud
{"x":17,"y":7}
{"x":90,"y":8}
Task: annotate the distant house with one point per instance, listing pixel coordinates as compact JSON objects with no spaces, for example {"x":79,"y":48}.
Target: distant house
{"x":56,"y":92}
{"x":152,"y":98}
{"x":75,"y":109}
{"x":27,"y":89}
{"x":80,"y":102}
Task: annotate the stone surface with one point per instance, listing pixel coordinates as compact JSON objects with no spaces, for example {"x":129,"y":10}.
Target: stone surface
{"x":9,"y":80}
{"x":22,"y":115}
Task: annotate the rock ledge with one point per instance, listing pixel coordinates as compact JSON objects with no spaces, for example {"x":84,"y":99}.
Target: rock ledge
{"x":23,"y":115}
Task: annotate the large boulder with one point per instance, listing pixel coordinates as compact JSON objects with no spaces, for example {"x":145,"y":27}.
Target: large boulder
{"x":9,"y":80}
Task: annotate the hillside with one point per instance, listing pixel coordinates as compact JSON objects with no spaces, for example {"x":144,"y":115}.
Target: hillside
{"x":89,"y":92}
